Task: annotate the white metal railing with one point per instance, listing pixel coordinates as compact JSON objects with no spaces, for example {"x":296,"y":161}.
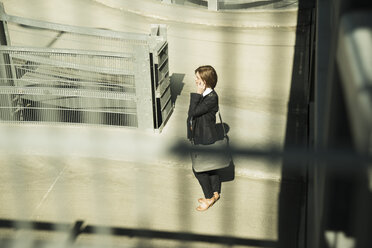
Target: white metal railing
{"x":60,"y":73}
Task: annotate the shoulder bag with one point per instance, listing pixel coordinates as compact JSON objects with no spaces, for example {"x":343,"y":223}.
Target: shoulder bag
{"x":203,"y":159}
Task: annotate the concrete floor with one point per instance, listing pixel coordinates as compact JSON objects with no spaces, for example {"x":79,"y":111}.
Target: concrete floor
{"x":126,"y":178}
{"x":133,"y":195}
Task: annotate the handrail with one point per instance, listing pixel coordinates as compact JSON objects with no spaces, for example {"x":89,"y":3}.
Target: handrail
{"x":70,"y":28}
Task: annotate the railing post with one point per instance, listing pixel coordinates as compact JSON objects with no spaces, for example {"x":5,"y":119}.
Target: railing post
{"x":4,"y":37}
{"x":143,"y":89}
{"x":6,"y":68}
{"x":161,"y":79}
{"x":213,"y":5}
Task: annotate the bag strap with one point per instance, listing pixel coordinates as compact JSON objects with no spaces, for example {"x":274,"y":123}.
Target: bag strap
{"x":223,"y":127}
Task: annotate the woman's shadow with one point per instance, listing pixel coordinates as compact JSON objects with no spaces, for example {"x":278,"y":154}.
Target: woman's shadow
{"x":228,"y":173}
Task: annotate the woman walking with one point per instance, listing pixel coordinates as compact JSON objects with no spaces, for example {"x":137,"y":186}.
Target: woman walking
{"x":201,"y":129}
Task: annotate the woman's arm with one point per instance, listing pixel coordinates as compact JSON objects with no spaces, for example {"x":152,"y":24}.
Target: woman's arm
{"x":198,"y":107}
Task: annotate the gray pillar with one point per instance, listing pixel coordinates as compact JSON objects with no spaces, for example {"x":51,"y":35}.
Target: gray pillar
{"x":213,"y":5}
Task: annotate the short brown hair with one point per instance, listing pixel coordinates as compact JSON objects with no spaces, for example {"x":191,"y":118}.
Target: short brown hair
{"x":208,"y":74}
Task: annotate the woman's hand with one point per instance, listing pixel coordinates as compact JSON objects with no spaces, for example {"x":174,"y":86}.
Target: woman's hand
{"x":200,"y":87}
{"x":200,"y":84}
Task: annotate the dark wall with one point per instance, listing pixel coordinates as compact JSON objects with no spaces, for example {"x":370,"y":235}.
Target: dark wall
{"x":339,"y":198}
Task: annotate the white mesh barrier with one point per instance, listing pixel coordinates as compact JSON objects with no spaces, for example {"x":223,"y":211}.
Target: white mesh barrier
{"x":67,"y":74}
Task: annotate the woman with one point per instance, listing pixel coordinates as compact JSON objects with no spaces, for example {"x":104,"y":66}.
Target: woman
{"x":201,"y":129}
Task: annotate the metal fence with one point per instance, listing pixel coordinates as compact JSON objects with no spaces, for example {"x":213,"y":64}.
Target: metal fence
{"x":68,"y":86}
{"x":58,"y":73}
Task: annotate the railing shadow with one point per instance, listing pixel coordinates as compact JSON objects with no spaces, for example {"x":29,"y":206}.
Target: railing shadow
{"x":78,"y":228}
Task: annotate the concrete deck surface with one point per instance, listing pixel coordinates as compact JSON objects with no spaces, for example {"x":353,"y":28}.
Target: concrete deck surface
{"x":128,"y":178}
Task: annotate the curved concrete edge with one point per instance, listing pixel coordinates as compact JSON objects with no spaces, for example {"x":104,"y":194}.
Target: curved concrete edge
{"x":256,"y":18}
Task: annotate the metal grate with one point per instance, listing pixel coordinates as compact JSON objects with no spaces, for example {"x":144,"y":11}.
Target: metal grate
{"x":68,"y":86}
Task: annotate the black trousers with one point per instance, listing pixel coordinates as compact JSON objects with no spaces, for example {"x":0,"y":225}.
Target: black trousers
{"x":209,"y":181}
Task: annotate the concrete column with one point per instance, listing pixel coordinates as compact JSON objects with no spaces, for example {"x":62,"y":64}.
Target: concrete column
{"x":167,"y":1}
{"x":213,"y":5}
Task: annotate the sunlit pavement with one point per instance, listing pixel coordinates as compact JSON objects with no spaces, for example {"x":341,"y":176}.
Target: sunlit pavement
{"x":127,"y":178}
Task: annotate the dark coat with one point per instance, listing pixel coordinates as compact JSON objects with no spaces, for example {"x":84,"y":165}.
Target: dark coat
{"x":202,"y":118}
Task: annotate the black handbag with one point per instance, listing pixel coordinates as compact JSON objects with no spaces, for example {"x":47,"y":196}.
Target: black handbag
{"x":204,"y":160}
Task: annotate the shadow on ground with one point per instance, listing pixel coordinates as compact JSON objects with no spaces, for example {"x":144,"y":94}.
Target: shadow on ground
{"x":176,"y":85}
{"x":79,"y":227}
